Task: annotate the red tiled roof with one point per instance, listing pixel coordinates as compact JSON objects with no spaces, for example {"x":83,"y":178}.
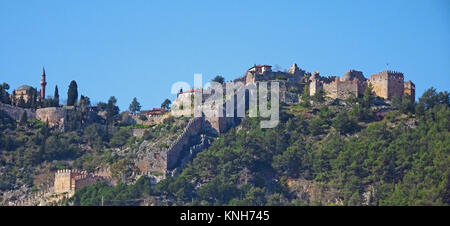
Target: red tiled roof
{"x":153,"y":111}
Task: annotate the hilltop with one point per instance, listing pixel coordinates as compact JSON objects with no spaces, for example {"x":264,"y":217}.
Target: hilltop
{"x":339,"y":141}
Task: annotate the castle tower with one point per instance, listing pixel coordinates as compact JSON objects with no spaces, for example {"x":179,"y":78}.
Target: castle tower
{"x":43,"y":84}
{"x":388,"y":84}
{"x":410,"y":89}
{"x":293,"y":69}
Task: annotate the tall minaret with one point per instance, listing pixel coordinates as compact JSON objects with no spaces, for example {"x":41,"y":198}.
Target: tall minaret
{"x":43,"y":84}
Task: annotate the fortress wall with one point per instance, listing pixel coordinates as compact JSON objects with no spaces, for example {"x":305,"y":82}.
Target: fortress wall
{"x":345,"y":89}
{"x":16,"y":112}
{"x":219,"y":124}
{"x":410,"y":89}
{"x":362,"y":85}
{"x":86,"y":180}
{"x":314,"y":86}
{"x":173,"y":154}
{"x":68,"y":181}
{"x":380,"y":84}
{"x":341,"y":89}
{"x":249,"y":77}
{"x":395,"y":86}
{"x":54,"y":115}
{"x":331,"y":90}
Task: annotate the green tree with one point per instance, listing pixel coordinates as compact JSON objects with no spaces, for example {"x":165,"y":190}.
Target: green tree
{"x":111,"y":110}
{"x":23,"y":118}
{"x":135,"y":106}
{"x":56,"y":97}
{"x":431,"y":98}
{"x":317,"y":126}
{"x":21,"y":102}
{"x":4,"y":95}
{"x":122,"y":169}
{"x":343,"y":124}
{"x":166,"y":104}
{"x":288,"y":163}
{"x":93,"y":135}
{"x":32,"y":102}
{"x":219,"y":79}
{"x":6,"y":122}
{"x":404,"y":104}
{"x":305,"y":97}
{"x":319,"y":96}
{"x":367,"y":99}
{"x":72,"y":93}
{"x":84,"y":104}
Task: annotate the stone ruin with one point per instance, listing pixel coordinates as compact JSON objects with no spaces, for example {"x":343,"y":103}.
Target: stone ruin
{"x":386,"y":84}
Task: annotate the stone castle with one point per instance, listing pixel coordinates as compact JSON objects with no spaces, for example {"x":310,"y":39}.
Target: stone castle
{"x":67,"y":181}
{"x":386,"y":84}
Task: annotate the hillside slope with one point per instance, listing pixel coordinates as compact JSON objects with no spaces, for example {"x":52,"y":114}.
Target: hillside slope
{"x":327,"y":154}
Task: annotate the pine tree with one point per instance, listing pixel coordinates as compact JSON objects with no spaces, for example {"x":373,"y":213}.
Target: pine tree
{"x":4,"y":95}
{"x":166,"y":104}
{"x":56,"y":97}
{"x":135,"y":106}
{"x":72,"y":93}
{"x":367,"y":96}
{"x":21,"y":102}
{"x":111,"y":110}
{"x":219,"y":79}
{"x":24,"y":118}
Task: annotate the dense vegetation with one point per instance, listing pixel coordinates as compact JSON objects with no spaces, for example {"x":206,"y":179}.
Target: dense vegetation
{"x":29,"y":147}
{"x":339,"y":149}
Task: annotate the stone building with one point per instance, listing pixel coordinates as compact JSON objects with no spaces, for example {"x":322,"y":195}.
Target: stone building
{"x":27,"y":92}
{"x":69,"y":181}
{"x":351,"y":83}
{"x":264,"y":73}
{"x":184,"y":103}
{"x":315,"y":83}
{"x":24,"y":92}
{"x":53,"y":115}
{"x":388,"y":84}
{"x":294,"y":69}
{"x":339,"y":89}
{"x":410,"y":89}
{"x":260,"y":69}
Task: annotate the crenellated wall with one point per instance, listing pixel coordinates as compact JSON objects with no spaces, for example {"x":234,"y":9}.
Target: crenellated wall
{"x":343,"y":89}
{"x":69,"y":181}
{"x":173,"y":153}
{"x":388,"y":84}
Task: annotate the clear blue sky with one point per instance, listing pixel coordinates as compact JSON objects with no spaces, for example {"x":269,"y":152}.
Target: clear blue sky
{"x":140,"y":48}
